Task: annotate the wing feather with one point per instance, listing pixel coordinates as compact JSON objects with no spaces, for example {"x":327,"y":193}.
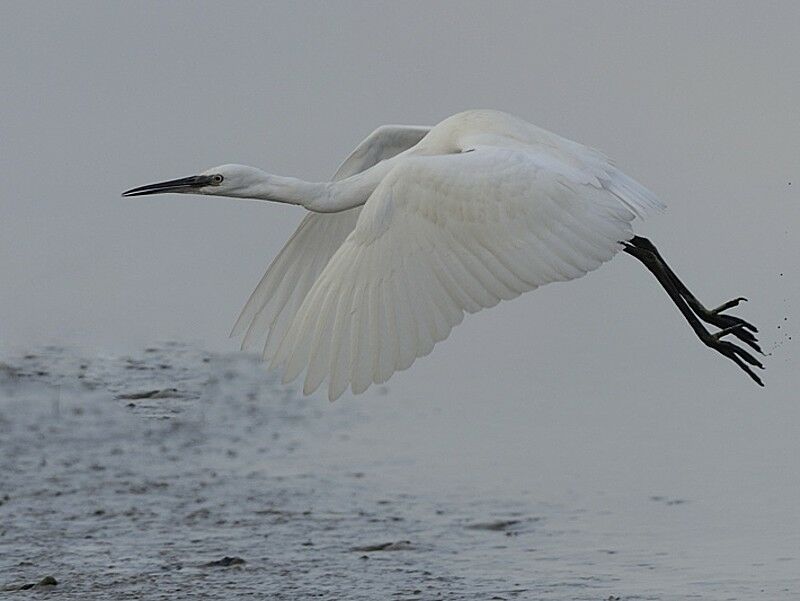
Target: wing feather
{"x":271,"y":307}
{"x":290,"y":276}
{"x":388,"y":349}
{"x":444,"y":235}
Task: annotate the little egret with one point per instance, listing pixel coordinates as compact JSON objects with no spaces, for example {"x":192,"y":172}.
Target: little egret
{"x":423,"y":224}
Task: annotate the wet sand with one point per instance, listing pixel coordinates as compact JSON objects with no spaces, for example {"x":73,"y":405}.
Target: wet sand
{"x":177,"y":473}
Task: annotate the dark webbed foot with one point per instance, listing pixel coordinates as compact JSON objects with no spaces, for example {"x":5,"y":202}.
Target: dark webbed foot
{"x":694,"y":311}
{"x":743,"y":330}
{"x":735,"y":353}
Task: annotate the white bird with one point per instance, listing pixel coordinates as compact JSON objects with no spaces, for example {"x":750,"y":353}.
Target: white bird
{"x":424,"y":224}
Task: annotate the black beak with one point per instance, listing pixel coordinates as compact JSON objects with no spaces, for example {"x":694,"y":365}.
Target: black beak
{"x":184,"y":184}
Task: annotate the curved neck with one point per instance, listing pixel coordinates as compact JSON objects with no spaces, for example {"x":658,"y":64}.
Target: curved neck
{"x":288,"y":190}
{"x":320,"y":197}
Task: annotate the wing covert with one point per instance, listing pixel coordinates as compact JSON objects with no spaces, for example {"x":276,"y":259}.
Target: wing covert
{"x":441,"y":236}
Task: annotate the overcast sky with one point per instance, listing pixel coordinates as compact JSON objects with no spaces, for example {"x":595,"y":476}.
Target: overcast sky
{"x":699,"y":101}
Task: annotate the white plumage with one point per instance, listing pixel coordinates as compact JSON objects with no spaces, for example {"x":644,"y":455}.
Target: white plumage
{"x":275,"y":301}
{"x":481,"y":209}
{"x":420,"y":226}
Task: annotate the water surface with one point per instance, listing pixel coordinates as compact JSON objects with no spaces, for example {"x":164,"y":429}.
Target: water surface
{"x":177,"y":473}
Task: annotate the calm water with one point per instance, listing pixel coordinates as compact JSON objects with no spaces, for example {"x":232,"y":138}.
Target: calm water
{"x":133,"y":477}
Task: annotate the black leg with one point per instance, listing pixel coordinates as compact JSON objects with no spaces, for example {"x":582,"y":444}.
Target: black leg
{"x":643,"y":250}
{"x":713,"y":316}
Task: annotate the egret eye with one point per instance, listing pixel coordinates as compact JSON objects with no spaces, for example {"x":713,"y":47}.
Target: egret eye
{"x":216,"y":180}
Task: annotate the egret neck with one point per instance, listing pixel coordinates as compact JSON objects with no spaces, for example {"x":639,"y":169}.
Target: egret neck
{"x":319,"y":197}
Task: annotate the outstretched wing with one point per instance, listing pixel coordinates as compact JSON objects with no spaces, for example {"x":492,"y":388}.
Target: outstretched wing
{"x":383,"y":143}
{"x":274,"y":302}
{"x":444,"y":235}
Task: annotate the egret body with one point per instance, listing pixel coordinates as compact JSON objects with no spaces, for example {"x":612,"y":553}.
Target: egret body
{"x":421,"y":225}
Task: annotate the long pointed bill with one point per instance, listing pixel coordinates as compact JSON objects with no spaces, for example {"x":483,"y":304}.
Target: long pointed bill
{"x":184,"y":184}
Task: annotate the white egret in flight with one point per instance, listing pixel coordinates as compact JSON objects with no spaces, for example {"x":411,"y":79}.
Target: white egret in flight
{"x":424,"y":224}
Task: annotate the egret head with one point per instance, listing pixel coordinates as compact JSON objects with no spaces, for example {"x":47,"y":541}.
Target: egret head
{"x":225,"y":180}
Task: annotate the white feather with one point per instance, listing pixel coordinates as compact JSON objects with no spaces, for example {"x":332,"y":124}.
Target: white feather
{"x":447,"y":234}
{"x":272,"y":305}
{"x":455,"y":218}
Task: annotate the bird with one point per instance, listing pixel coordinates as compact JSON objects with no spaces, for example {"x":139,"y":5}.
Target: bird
{"x":421,"y":225}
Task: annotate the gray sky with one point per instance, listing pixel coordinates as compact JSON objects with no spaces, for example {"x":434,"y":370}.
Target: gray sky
{"x":698,"y":101}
